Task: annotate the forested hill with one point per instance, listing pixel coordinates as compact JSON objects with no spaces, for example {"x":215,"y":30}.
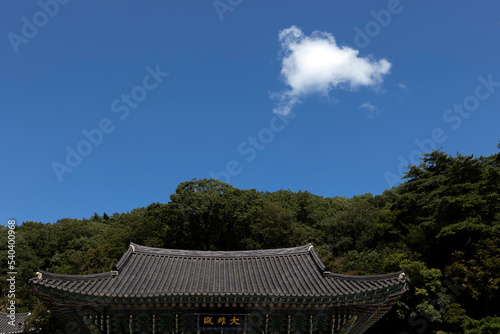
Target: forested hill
{"x":441,"y":225}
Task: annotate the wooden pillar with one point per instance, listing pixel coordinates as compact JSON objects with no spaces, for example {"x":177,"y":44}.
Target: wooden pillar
{"x":105,"y":322}
{"x":99,"y":322}
{"x":111,"y":318}
{"x":334,"y":316}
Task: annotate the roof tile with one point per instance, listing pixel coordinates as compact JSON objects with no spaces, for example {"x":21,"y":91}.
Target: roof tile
{"x":146,"y":271}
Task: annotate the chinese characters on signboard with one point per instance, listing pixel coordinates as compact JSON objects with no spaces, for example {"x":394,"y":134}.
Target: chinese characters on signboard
{"x":221,"y":321}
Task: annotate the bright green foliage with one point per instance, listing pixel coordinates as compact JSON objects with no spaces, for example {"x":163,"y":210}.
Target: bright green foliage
{"x":478,"y":268}
{"x":486,"y":325}
{"x":454,"y":316}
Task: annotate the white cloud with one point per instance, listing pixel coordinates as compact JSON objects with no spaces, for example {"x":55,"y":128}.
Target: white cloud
{"x":369,"y":106}
{"x":402,"y":86}
{"x":373,"y":111}
{"x":316,"y":64}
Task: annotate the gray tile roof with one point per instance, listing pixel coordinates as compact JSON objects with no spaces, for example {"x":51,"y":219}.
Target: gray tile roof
{"x":6,"y":328}
{"x":153,"y":272}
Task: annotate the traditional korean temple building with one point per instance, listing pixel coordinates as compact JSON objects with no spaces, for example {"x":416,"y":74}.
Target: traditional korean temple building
{"x":153,"y":290}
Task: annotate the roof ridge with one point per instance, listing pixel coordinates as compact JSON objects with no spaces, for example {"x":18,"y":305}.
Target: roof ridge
{"x":400,"y":275}
{"x":317,"y":261}
{"x":2,"y":314}
{"x":47,"y":275}
{"x":125,"y":257}
{"x":220,"y":254}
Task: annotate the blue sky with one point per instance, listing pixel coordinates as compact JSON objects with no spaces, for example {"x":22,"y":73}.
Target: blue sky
{"x":108,"y":105}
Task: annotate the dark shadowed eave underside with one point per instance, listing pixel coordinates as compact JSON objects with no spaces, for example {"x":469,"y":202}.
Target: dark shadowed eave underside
{"x":154,"y":272}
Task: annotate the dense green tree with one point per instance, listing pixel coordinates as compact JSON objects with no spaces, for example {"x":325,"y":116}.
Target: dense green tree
{"x":488,"y":325}
{"x":210,"y":215}
{"x":353,"y":227}
{"x":449,"y":203}
{"x":478,"y":269}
